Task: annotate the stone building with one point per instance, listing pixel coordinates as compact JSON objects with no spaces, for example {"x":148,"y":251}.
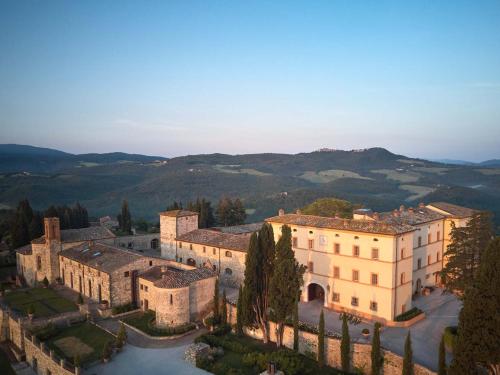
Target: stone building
{"x":373,"y":264}
{"x":104,"y":272}
{"x":39,"y":259}
{"x":177,"y":293}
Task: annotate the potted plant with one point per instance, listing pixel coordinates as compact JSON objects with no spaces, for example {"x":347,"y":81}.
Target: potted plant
{"x":365,"y":332}
{"x":31,"y":311}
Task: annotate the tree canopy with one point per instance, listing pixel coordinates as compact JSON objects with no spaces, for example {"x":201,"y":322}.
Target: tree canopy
{"x":329,"y":207}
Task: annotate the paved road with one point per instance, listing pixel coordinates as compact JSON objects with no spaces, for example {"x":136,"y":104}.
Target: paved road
{"x":134,"y":360}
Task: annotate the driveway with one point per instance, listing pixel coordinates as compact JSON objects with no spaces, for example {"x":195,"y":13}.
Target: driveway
{"x":441,"y":311}
{"x":134,"y":360}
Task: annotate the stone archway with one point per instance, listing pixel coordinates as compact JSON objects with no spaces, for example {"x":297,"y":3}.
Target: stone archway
{"x":315,"y":292}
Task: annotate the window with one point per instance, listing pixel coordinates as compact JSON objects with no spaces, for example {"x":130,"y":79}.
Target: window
{"x":204,"y":249}
{"x":374,"y":253}
{"x":402,"y":253}
{"x":355,"y":275}
{"x":154,"y":243}
{"x":419,"y":241}
{"x":142,"y":287}
{"x":180,"y":245}
{"x":428,"y":259}
{"x":354,"y":301}
{"x":336,"y":248}
{"x":438,"y":236}
{"x":171,"y":299}
{"x":355,"y":251}
{"x":402,"y":278}
{"x":38,"y":262}
{"x":145,"y":288}
{"x":437,"y":256}
{"x":295,"y":242}
{"x":150,"y":263}
{"x":311,"y":244}
{"x":429,"y":238}
{"x":228,"y":254}
{"x":336,"y":297}
{"x":214,"y":250}
{"x":323,"y":240}
{"x":126,"y":274}
{"x":90,"y":288}
{"x":228,"y":271}
{"x":374,"y":279}
{"x":336,"y":272}
{"x":310,"y":266}
{"x":190,"y":246}
{"x":373,"y":306}
{"x":419,"y":263}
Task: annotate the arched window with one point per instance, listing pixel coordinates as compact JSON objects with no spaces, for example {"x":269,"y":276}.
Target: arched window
{"x":228,"y":271}
{"x":228,"y":254}
{"x":154,"y":243}
{"x":171,"y":299}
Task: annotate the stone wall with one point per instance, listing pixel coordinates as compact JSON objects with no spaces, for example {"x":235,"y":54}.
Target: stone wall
{"x":137,"y":241}
{"x":308,"y":342}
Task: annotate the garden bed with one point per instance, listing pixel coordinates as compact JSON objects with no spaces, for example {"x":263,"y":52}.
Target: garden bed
{"x":45,"y":301}
{"x":145,"y":322}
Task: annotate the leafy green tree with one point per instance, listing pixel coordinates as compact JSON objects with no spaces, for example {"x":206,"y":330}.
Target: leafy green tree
{"x":259,"y":265}
{"x":345,"y":346}
{"x":442,"y":358}
{"x":376,"y":355}
{"x":321,"y":340}
{"x":329,"y":207}
{"x":125,"y":218}
{"x":285,"y":283}
{"x":296,"y":324}
{"x":465,"y":251}
{"x":216,"y":302}
{"x":408,"y":368}
{"x":223,"y":318}
{"x":205,"y":211}
{"x":478,"y":331}
{"x":230,"y":212}
{"x":239,"y":313}
{"x":76,"y":361}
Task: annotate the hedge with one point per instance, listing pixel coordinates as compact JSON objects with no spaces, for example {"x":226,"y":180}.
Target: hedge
{"x":408,"y":315}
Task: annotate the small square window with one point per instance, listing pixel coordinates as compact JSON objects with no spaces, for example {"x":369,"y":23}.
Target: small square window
{"x":295,"y":242}
{"x":204,"y":249}
{"x":126,"y":274}
{"x":310,"y":266}
{"x":355,"y":275}
{"x":190,"y":246}
{"x":214,"y":250}
{"x":336,"y":297}
{"x":374,"y":253}
{"x":373,"y":306}
{"x":374,"y":279}
{"x":336,"y":248}
{"x":354,"y":301}
{"x":311,"y":244}
{"x":355,"y":251}
{"x":336,"y":272}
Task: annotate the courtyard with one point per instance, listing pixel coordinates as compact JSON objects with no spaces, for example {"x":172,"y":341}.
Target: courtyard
{"x":44,"y":301}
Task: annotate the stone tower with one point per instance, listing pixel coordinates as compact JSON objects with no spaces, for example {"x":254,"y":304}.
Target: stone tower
{"x":52,"y":229}
{"x":173,"y":224}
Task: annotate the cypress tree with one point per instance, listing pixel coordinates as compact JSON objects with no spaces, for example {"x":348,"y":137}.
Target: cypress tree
{"x":216,"y":302}
{"x":223,"y":314}
{"x":442,"y":358}
{"x":239,"y":313}
{"x":125,"y":218}
{"x":321,"y":340}
{"x":408,"y":357}
{"x":296,"y":325}
{"x":479,"y":321}
{"x":376,"y":355}
{"x":345,"y":346}
{"x":285,"y":282}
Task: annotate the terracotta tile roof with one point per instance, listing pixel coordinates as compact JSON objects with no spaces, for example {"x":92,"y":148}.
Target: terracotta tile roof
{"x":82,"y":234}
{"x":453,"y":209}
{"x":103,"y":257}
{"x":172,"y":278}
{"x":410,"y":216}
{"x":25,"y":250}
{"x":367,"y":226}
{"x":240,"y":229}
{"x":209,"y":237}
{"x":178,"y":213}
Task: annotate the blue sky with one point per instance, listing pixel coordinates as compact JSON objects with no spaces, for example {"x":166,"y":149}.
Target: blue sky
{"x":184,"y":77}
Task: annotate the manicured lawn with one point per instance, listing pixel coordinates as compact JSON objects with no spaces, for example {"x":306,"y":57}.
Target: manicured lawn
{"x":144,"y":321}
{"x":85,"y":339}
{"x":5,"y":367}
{"x":45,"y":301}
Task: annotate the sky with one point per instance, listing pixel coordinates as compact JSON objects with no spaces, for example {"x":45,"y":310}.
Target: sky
{"x":184,"y":77}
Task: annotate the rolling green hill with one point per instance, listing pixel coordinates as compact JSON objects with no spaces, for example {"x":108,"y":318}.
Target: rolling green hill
{"x":373,"y":177}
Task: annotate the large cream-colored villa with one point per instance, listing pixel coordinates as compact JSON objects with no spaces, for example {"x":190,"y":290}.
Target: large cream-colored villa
{"x":370,"y":265}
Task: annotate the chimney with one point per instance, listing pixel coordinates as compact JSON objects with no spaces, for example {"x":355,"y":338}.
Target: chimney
{"x":298,"y":212}
{"x":401,"y":208}
{"x":281,"y":212}
{"x":52,"y":229}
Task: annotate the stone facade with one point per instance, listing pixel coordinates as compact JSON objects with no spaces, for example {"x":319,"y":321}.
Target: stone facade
{"x":139,"y":242}
{"x":175,"y":223}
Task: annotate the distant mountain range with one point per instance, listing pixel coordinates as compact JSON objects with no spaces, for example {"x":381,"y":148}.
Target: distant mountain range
{"x":373,"y":177}
{"x":486,"y":163}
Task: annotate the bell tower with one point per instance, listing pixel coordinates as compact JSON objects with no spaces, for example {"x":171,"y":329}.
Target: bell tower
{"x":52,"y":229}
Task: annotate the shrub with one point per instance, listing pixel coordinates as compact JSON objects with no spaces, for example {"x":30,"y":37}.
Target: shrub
{"x":450,"y":337}
{"x":205,"y":363}
{"x":107,"y":351}
{"x":45,"y":332}
{"x":123,"y":308}
{"x":121,"y":337}
{"x":408,"y":315}
{"x":225,"y":342}
{"x":31,"y":309}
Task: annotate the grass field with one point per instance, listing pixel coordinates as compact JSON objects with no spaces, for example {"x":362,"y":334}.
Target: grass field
{"x":45,"y":301}
{"x":489,"y":171}
{"x":236,"y":169}
{"x":437,"y":170}
{"x":85,"y":339}
{"x":330,"y":175}
{"x":401,"y":176}
{"x":5,"y":367}
{"x":418,"y":191}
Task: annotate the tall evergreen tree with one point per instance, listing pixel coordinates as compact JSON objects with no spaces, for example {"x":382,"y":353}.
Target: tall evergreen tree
{"x":479,"y":320}
{"x":296,"y":324}
{"x":408,"y":368}
{"x":125,"y":218}
{"x":376,"y":355}
{"x":230,"y":212}
{"x":216,"y":302}
{"x":238,"y":212}
{"x":174,"y":206}
{"x":239,"y":313}
{"x":258,"y":271}
{"x":285,"y":283}
{"x":20,"y":227}
{"x":465,"y":250}
{"x":345,"y":346}
{"x":442,"y":358}
{"x":223,"y":314}
{"x":321,"y":340}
